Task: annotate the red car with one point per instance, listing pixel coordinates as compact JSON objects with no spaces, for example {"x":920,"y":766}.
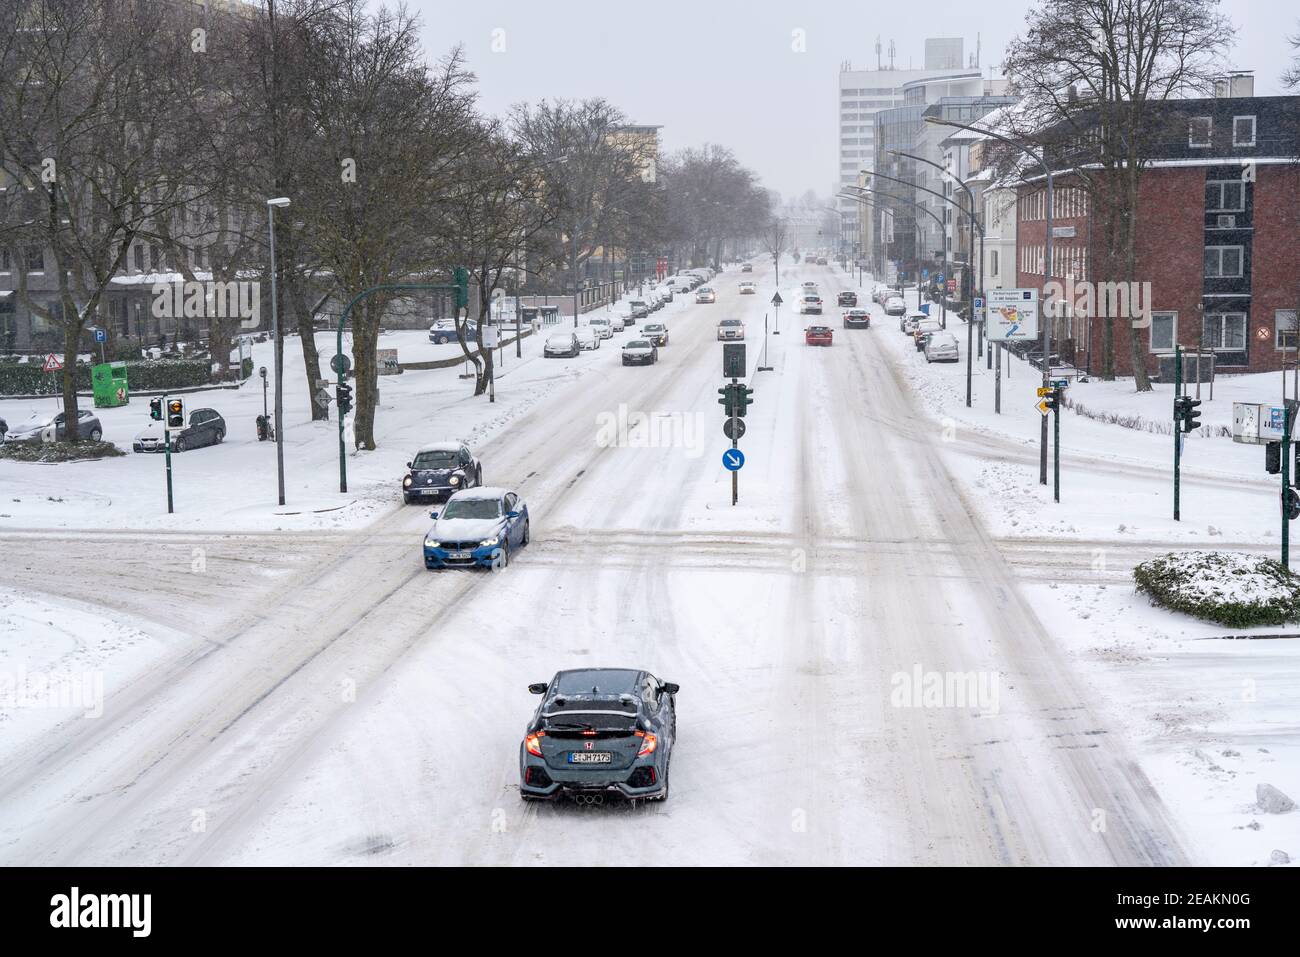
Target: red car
{"x":817,"y":336}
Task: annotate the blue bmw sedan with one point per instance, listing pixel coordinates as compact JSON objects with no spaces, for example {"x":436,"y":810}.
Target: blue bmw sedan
{"x":477,"y":526}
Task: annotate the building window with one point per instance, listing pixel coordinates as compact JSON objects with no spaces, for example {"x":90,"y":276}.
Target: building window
{"x":1225,"y":196}
{"x":6,"y":263}
{"x":1243,"y":131}
{"x":993,"y":263}
{"x":1200,"y":132}
{"x":1225,"y":332}
{"x":1285,"y":330}
{"x":1164,"y":331}
{"x":35,"y":259}
{"x":138,"y":252}
{"x":1223,"y":262}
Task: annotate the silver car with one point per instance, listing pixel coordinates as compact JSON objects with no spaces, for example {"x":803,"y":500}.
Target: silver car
{"x":941,"y":347}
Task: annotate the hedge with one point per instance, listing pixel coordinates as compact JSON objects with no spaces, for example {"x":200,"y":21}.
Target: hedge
{"x":59,"y":451}
{"x":1228,"y":588}
{"x":145,"y":375}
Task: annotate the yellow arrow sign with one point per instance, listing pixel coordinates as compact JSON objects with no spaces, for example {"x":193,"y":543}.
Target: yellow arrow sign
{"x":1043,"y":408}
{"x":1045,"y":392}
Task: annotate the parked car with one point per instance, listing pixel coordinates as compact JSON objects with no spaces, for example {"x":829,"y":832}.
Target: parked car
{"x":561,"y":344}
{"x":857,"y":319}
{"x":747,"y":267}
{"x":894,"y":306}
{"x":817,"y":336}
{"x":479,"y":526}
{"x":602,"y":327}
{"x":846,"y":298}
{"x":706,"y":294}
{"x":588,"y":338}
{"x":922,"y":329}
{"x":666,"y":291}
{"x":748,"y":288}
{"x":821,"y":260}
{"x":44,"y":427}
{"x":206,"y":427}
{"x":599,"y":732}
{"x":731,"y":329}
{"x":657,"y":333}
{"x":640,"y":308}
{"x":811,"y":304}
{"x":439,"y":470}
{"x":640,"y":352}
{"x":941,"y":347}
{"x":444,"y":331}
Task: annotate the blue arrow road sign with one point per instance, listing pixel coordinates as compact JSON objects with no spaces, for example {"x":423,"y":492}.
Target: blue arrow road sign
{"x":733,"y":460}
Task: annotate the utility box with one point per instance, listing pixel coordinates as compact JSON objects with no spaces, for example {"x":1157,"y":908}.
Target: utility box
{"x":109,"y":386}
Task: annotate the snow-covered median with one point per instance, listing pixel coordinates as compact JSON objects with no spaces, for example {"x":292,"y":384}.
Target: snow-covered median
{"x":1224,"y":587}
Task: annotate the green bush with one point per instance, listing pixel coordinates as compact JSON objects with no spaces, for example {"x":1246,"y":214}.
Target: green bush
{"x":58,"y":451}
{"x":144,"y":375}
{"x":1228,"y":588}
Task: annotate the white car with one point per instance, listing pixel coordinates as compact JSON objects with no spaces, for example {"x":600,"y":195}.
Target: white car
{"x":561,"y":344}
{"x":588,"y":339}
{"x":894,"y":306}
{"x":748,"y":288}
{"x":602,"y":328}
{"x":732,"y":329}
{"x":941,"y":347}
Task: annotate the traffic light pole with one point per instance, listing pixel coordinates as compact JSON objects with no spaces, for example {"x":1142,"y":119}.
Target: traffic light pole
{"x":1287,"y":421}
{"x":735,"y":442}
{"x":1178,"y":434}
{"x":460,"y":288}
{"x":167,"y":446}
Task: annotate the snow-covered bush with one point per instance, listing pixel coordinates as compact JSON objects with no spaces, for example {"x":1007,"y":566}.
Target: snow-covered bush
{"x":1224,"y":587}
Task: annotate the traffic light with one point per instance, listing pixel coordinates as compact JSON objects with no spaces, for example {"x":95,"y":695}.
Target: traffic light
{"x":343,"y":398}
{"x":461,"y":277}
{"x":1185,"y":411}
{"x":728,"y":400}
{"x":175,"y":414}
{"x":743,"y":400}
{"x":1053,"y":400}
{"x":1291,"y":505}
{"x":155,"y":409}
{"x":1273,"y":458}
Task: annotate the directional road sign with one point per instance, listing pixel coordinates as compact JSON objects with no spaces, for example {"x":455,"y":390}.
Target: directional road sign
{"x":739,"y":430}
{"x":1043,"y":407}
{"x":776,"y":299}
{"x":733,"y":460}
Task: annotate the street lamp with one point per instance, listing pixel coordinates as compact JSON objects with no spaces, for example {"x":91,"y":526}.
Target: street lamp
{"x":974,"y":222}
{"x":271,"y":206}
{"x":1047,"y":264}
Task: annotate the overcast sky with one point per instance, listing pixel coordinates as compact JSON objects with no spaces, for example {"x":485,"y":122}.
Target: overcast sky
{"x":724,"y":71}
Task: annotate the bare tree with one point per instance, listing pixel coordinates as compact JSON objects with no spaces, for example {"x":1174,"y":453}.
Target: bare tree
{"x":390,"y":134}
{"x":92,"y":180}
{"x":1093,"y":74}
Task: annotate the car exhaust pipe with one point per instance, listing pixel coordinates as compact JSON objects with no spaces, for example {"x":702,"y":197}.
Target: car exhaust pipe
{"x":589,"y":799}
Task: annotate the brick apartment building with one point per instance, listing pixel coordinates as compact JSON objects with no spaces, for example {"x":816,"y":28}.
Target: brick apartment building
{"x":1218,"y":237}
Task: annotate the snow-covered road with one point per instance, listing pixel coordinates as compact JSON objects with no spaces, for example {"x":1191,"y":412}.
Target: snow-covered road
{"x":323,"y":699}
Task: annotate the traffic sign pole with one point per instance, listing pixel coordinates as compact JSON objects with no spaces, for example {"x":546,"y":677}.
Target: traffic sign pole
{"x":1056,"y":449}
{"x":167,"y":447}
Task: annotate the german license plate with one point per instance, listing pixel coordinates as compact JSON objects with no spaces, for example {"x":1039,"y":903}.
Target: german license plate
{"x":459,"y":554}
{"x":591,"y":757}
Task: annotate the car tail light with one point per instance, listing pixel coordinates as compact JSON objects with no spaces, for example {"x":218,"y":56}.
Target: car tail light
{"x":533,"y":743}
{"x":648,"y":743}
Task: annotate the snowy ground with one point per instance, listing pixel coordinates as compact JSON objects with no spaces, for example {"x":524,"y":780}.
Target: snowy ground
{"x":307,"y":693}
